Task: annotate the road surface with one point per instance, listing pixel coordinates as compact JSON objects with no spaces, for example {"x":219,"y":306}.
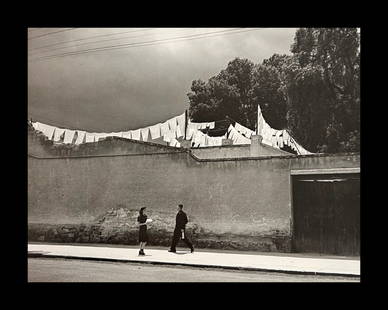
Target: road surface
{"x":73,"y":270}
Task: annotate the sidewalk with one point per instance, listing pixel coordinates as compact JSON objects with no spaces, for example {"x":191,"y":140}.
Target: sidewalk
{"x":201,"y":258}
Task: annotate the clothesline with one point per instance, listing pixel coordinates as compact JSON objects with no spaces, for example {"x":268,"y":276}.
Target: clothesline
{"x":173,"y":129}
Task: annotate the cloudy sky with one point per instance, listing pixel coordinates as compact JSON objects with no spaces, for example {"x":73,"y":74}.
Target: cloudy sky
{"x":114,"y":79}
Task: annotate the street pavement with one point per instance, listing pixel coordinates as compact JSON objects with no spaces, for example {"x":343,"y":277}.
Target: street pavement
{"x":203,"y":258}
{"x":76,"y":270}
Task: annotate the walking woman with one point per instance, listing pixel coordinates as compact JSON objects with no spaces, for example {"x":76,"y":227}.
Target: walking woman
{"x":143,"y":237}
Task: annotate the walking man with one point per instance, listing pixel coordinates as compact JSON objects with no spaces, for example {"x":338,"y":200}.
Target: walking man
{"x":179,"y":231}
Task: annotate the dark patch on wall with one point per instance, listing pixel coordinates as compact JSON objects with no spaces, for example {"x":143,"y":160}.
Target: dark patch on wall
{"x":111,"y":228}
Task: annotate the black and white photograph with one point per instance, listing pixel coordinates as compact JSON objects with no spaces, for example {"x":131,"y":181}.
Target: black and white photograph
{"x":193,"y":154}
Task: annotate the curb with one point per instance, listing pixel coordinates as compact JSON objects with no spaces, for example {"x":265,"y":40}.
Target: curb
{"x":318,"y":273}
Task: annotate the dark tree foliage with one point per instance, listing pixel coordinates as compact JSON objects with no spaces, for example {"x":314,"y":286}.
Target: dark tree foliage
{"x":333,"y":53}
{"x":315,"y":92}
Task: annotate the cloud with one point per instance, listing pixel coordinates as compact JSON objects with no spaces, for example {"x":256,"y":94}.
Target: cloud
{"x":130,"y":88}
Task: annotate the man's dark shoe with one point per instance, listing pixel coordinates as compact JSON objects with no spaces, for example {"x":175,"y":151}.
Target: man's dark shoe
{"x":192,"y":250}
{"x":172,"y":251}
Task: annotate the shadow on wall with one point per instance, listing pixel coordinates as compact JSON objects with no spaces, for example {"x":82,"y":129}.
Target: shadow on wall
{"x":119,"y":226}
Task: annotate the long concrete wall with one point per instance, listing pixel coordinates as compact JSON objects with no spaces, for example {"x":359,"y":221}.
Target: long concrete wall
{"x":249,"y":198}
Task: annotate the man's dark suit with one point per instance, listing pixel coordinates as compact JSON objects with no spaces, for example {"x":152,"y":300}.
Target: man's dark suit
{"x":180,"y":224}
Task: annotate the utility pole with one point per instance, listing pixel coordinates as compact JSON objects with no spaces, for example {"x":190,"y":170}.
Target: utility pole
{"x":186,"y":117}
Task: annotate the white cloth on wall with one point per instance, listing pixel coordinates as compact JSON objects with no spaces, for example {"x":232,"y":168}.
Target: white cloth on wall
{"x":197,"y":137}
{"x":98,"y":136}
{"x":181,"y":122}
{"x":249,"y":134}
{"x":198,"y":125}
{"x":135,"y":134}
{"x":178,"y":132}
{"x":127,"y":134}
{"x":172,"y":123}
{"x":115,"y":134}
{"x":144,"y":133}
{"x":211,"y":125}
{"x":36,"y":125}
{"x":80,"y":137}
{"x":58,"y":134}
{"x":286,"y":136}
{"x":89,"y":137}
{"x":239,"y":128}
{"x":202,"y":141}
{"x":210,"y":141}
{"x":231,"y":132}
{"x":155,"y":131}
{"x":164,"y":128}
{"x":47,"y":130}
{"x":192,"y":126}
{"x":169,"y":136}
{"x":69,"y":135}
{"x":189,"y":133}
{"x":244,"y":130}
{"x":237,"y":137}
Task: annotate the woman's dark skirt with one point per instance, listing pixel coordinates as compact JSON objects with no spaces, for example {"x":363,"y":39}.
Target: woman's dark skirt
{"x":143,"y":236}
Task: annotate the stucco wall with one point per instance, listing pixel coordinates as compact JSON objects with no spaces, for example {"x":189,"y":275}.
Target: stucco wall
{"x":248,"y":198}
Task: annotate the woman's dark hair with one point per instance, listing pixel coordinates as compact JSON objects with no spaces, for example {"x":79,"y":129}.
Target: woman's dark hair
{"x":141,"y":210}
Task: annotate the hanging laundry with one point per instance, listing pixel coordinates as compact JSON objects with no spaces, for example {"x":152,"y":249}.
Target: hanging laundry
{"x":164,"y":128}
{"x":115,"y":134}
{"x":173,"y":142}
{"x":169,"y":136}
{"x":89,"y":137}
{"x":243,"y":130}
{"x":231,"y":132}
{"x":36,"y":125}
{"x":127,"y":134}
{"x":211,"y":125}
{"x":189,"y":133}
{"x":135,"y":134}
{"x":155,"y":131}
{"x":58,"y":134}
{"x":80,"y":137}
{"x":47,"y":130}
{"x":239,"y":127}
{"x":198,"y":137}
{"x":197,"y":125}
{"x":210,"y":141}
{"x":192,"y":126}
{"x":69,"y":135}
{"x":202,"y":140}
{"x":144,"y":133}
{"x":181,"y":122}
{"x":237,"y":137}
{"x":178,"y":132}
{"x":172,"y":123}
{"x":99,"y":136}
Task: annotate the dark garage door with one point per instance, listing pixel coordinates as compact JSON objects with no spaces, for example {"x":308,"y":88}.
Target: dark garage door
{"x":326,"y":214}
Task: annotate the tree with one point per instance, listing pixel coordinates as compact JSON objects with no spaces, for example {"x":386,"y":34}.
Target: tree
{"x":225,"y":94}
{"x":334,"y":52}
{"x":315,"y":92}
{"x":268,"y":92}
